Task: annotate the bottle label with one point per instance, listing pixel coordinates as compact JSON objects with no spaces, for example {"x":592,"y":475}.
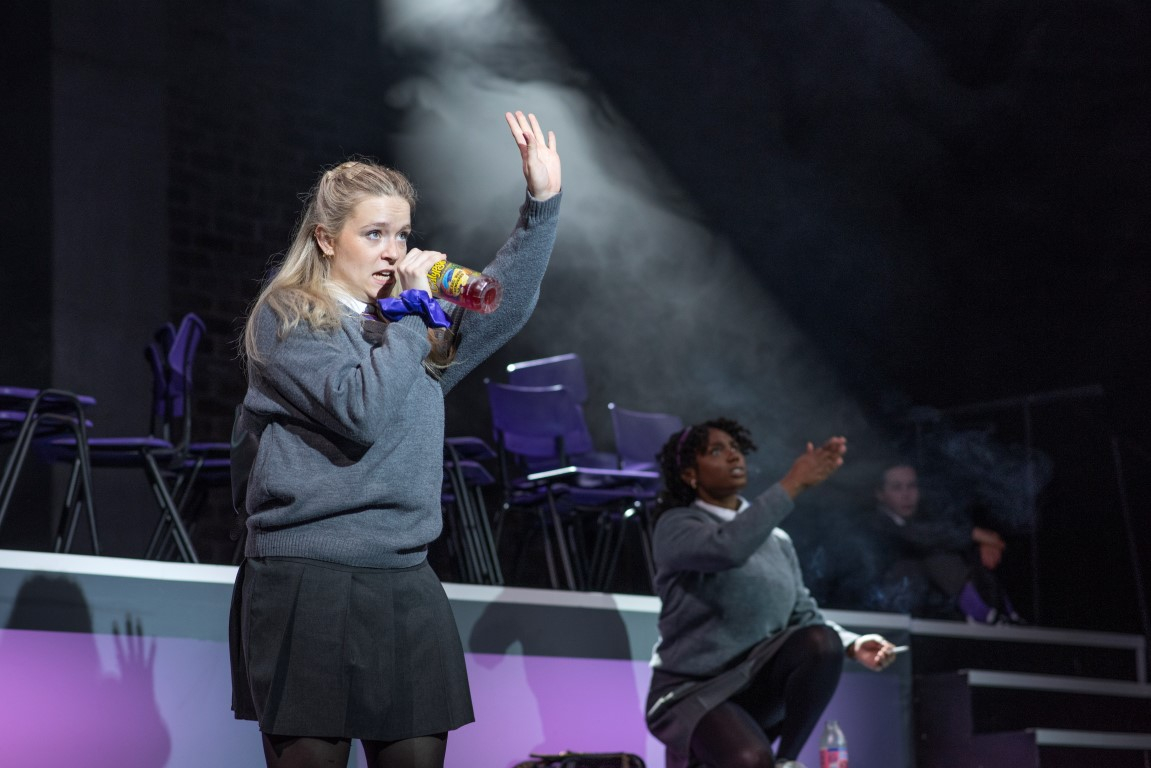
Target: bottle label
{"x":454,"y":281}
{"x":833,"y":758}
{"x":448,"y":279}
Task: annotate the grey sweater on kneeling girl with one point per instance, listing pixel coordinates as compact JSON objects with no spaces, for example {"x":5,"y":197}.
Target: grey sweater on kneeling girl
{"x":727,"y":585}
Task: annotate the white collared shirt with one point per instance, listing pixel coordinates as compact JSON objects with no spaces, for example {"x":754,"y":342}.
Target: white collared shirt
{"x":723,"y":513}
{"x":896,"y":518}
{"x":357,"y":306}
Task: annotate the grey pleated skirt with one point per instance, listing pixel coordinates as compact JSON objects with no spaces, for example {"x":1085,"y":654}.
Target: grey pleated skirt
{"x":327,"y":650}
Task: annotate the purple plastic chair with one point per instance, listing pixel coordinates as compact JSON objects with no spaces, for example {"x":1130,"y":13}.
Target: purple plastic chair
{"x":567,"y":371}
{"x":30,"y":415}
{"x":639,"y":436}
{"x":201,"y":465}
{"x":538,"y":432}
{"x":165,"y":454}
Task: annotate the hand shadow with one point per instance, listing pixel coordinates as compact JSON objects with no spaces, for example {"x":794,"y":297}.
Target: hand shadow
{"x":58,"y":707}
{"x":578,"y":668}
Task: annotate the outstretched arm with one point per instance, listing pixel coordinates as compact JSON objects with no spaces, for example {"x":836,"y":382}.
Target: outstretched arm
{"x":520,"y":264}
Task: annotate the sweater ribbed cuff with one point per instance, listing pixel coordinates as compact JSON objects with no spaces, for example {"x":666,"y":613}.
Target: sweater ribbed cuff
{"x":535,"y":211}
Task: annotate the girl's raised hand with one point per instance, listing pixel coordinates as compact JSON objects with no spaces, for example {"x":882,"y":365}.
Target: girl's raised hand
{"x":540,"y":158}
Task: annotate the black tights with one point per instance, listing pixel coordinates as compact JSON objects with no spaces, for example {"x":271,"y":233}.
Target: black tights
{"x":308,"y":752}
{"x":784,"y":701}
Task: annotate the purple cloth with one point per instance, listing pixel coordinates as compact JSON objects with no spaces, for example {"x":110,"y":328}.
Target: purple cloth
{"x":414,"y":302}
{"x":972,"y":605}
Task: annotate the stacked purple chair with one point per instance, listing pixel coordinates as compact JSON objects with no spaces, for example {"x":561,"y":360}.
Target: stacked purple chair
{"x":170,"y":461}
{"x":639,"y":435}
{"x":197,"y":466}
{"x":567,"y":370}
{"x":540,"y":435}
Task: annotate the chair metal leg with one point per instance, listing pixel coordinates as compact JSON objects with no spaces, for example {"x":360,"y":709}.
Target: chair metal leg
{"x":79,"y":495}
{"x":471,"y":532}
{"x":16,"y":462}
{"x":168,"y":507}
{"x":468,"y":533}
{"x":162,"y":542}
{"x":594,"y":562}
{"x":645,"y":543}
{"x":475,"y":522}
{"x":159,"y":532}
{"x":460,"y":536}
{"x":618,"y":535}
{"x":495,"y":572}
{"x":548,"y":558}
{"x":84,"y":460}
{"x":577,"y":547}
{"x":469,"y":565}
{"x":565,"y":558}
{"x":185,"y":482}
{"x":461,"y":547}
{"x":619,"y":527}
{"x":482,"y":554}
{"x":69,"y":515}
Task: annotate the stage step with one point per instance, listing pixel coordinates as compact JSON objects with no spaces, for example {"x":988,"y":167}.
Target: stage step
{"x":1003,"y":720}
{"x":947,"y":646}
{"x":1048,"y":748}
{"x":1008,"y":701}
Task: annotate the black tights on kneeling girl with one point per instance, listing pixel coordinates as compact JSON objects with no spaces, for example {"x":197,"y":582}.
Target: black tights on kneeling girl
{"x":784,"y":701}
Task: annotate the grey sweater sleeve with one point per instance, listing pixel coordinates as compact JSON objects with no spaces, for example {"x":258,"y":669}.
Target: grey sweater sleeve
{"x":519,"y":266}
{"x":697,"y":541}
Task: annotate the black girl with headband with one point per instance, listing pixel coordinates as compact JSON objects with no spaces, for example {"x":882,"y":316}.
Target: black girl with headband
{"x":745,"y":657}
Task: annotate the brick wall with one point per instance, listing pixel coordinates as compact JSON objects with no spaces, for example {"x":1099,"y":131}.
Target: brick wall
{"x":262,"y":96}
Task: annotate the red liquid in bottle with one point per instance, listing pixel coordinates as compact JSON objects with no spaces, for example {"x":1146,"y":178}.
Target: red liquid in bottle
{"x":465,"y":287}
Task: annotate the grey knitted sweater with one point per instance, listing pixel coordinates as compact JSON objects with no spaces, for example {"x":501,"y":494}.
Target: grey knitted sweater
{"x":727,"y":585}
{"x":350,"y":459}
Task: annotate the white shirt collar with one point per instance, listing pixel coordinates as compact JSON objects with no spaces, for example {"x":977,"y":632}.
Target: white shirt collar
{"x":723,"y":513}
{"x":357,"y":306}
{"x":896,"y":518}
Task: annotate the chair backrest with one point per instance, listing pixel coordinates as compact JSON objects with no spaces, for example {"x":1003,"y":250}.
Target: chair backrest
{"x":640,"y":434}
{"x":566,"y":370}
{"x":171,"y":357}
{"x":181,"y":360}
{"x":541,"y":425}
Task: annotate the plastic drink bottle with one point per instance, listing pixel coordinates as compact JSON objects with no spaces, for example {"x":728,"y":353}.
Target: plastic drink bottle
{"x":465,"y":287}
{"x":832,"y":747}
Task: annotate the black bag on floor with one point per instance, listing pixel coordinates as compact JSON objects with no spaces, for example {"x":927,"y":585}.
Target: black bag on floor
{"x":584,"y":760}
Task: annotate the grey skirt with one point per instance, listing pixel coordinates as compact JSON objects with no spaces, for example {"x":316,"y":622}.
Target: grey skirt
{"x":327,"y":650}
